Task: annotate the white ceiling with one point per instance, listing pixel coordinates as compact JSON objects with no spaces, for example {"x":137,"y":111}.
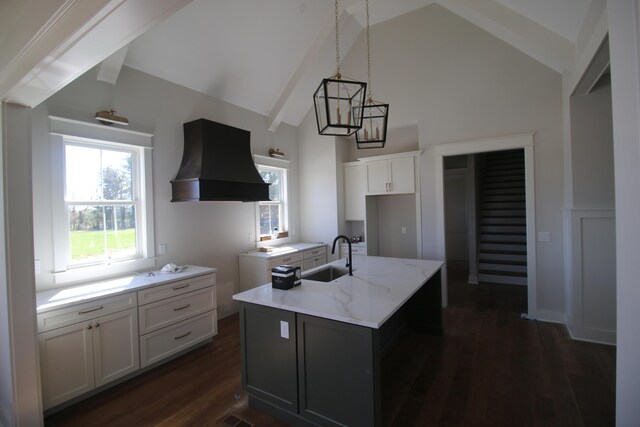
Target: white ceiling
{"x":269,"y":56}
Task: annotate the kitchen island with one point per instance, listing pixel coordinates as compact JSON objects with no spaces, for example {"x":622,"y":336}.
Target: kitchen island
{"x":312,"y":355}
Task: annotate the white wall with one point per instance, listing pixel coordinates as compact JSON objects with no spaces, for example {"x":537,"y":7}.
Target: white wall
{"x":202,"y":233}
{"x":320,"y":162}
{"x":24,"y":401}
{"x":6,"y":382}
{"x":457,"y":82}
{"x":592,"y":147}
{"x":624,"y":33}
{"x":394,"y":212}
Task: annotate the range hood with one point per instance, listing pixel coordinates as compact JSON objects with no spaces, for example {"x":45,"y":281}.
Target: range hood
{"x":217,"y":165}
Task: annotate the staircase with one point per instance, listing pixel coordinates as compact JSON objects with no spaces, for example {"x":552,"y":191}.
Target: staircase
{"x":502,"y":247}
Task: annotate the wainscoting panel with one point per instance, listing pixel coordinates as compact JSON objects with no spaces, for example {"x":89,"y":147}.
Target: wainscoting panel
{"x":593,"y":311}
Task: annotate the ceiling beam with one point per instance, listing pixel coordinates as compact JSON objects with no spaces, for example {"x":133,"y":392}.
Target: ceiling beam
{"x":324,"y":41}
{"x":109,"y":69}
{"x":528,"y":36}
{"x":76,"y":38}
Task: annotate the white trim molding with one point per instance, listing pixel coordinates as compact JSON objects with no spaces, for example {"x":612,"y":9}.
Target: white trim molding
{"x":524,"y":141}
{"x":593,"y":303}
{"x":142,"y":144}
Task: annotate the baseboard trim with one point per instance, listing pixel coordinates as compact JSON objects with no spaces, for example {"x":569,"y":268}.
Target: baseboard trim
{"x":551,"y":316}
{"x":595,"y":336}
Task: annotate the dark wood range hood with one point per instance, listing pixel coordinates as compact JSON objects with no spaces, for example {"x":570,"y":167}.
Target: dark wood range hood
{"x":217,"y":165}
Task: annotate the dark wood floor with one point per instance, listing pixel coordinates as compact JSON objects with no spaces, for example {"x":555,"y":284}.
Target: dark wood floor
{"x":490,"y":368}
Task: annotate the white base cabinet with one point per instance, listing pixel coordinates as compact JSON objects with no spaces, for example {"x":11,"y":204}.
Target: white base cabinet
{"x":77,"y":358}
{"x":176,"y":316}
{"x":91,"y":344}
{"x":255,"y":267}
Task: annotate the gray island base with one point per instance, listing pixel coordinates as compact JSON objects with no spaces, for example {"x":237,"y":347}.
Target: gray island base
{"x":312,"y":355}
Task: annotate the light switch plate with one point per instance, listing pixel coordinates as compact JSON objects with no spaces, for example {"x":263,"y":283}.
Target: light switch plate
{"x":284,"y":329}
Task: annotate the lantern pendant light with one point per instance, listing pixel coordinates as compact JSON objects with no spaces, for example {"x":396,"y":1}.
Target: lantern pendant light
{"x":338,"y":101}
{"x":373,"y":133}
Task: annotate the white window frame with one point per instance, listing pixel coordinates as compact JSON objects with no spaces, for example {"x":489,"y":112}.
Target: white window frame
{"x":284,"y":166}
{"x":90,"y":134}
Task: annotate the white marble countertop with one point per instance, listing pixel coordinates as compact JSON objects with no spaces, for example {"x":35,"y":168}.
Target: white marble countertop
{"x":63,"y":297}
{"x":283,"y":250}
{"x":378,"y":287}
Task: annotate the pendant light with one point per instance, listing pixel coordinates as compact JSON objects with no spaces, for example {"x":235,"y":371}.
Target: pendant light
{"x":373,"y":133}
{"x":338,"y":101}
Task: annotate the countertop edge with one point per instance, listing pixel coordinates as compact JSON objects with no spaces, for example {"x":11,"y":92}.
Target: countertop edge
{"x":251,"y":299}
{"x":144,"y":282}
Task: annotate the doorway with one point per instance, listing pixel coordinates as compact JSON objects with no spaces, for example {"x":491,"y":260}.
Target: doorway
{"x":524,"y":142}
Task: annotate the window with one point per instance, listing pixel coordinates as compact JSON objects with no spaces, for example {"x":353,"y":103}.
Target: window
{"x":102,"y":201}
{"x":273,"y":215}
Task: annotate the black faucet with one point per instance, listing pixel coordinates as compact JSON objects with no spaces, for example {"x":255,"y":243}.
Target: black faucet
{"x":349,"y":259}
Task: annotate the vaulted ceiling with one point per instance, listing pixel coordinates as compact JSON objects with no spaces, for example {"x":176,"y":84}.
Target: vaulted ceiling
{"x":269,"y":56}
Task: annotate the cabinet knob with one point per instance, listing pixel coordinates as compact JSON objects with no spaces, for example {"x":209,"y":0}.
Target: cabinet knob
{"x":97,"y":325}
{"x":89,"y":327}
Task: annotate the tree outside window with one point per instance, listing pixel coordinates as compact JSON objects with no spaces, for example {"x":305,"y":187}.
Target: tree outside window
{"x":101,"y":203}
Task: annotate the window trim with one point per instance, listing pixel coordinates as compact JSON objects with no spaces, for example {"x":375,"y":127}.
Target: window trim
{"x":83,"y":132}
{"x":285,"y":166}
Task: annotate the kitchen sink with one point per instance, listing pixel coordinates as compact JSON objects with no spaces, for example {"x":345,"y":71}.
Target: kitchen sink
{"x":326,"y":274}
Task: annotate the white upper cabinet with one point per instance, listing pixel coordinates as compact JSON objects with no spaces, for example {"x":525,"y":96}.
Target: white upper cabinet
{"x":354,"y":191}
{"x":392,"y":174}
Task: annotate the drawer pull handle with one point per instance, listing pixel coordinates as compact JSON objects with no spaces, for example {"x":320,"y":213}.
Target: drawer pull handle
{"x":286,"y":259}
{"x":182,"y":336}
{"x":91,"y":310}
{"x":176,"y":288}
{"x":182,"y":308}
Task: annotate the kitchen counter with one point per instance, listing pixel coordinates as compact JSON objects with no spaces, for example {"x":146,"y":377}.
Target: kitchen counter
{"x":283,"y":250}
{"x":63,"y":297}
{"x":312,"y":355}
{"x":378,"y":287}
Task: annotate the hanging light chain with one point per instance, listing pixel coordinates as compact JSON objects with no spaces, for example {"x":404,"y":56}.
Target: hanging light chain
{"x":368,"y":53}
{"x":337,"y":43}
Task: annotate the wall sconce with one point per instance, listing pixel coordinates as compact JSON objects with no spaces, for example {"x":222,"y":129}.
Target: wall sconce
{"x":275,"y":153}
{"x":109,"y":118}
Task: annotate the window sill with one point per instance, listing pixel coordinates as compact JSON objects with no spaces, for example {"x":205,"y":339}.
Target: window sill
{"x":84,"y":274}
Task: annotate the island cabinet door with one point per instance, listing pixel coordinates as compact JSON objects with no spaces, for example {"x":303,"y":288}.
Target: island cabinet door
{"x":269,"y":370}
{"x":338,"y":371}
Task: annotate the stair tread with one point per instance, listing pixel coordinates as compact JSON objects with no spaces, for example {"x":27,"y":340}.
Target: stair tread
{"x":503,"y":273}
{"x":502,"y":262}
{"x":503,"y":233}
{"x":502,"y":252}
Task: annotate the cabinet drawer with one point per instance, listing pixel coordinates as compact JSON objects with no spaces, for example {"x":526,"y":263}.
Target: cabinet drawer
{"x":165,"y":342}
{"x":82,"y":312}
{"x":166,"y":312}
{"x":180,"y":287}
{"x":285,"y":259}
{"x":314,"y":253}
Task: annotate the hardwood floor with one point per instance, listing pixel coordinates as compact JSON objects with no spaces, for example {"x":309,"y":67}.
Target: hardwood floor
{"x":490,"y":368}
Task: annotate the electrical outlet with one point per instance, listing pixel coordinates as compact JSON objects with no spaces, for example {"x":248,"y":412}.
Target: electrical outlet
{"x":162,"y":249}
{"x":404,"y":230}
{"x":544,"y":236}
{"x":284,"y":329}
{"x":250,"y":237}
